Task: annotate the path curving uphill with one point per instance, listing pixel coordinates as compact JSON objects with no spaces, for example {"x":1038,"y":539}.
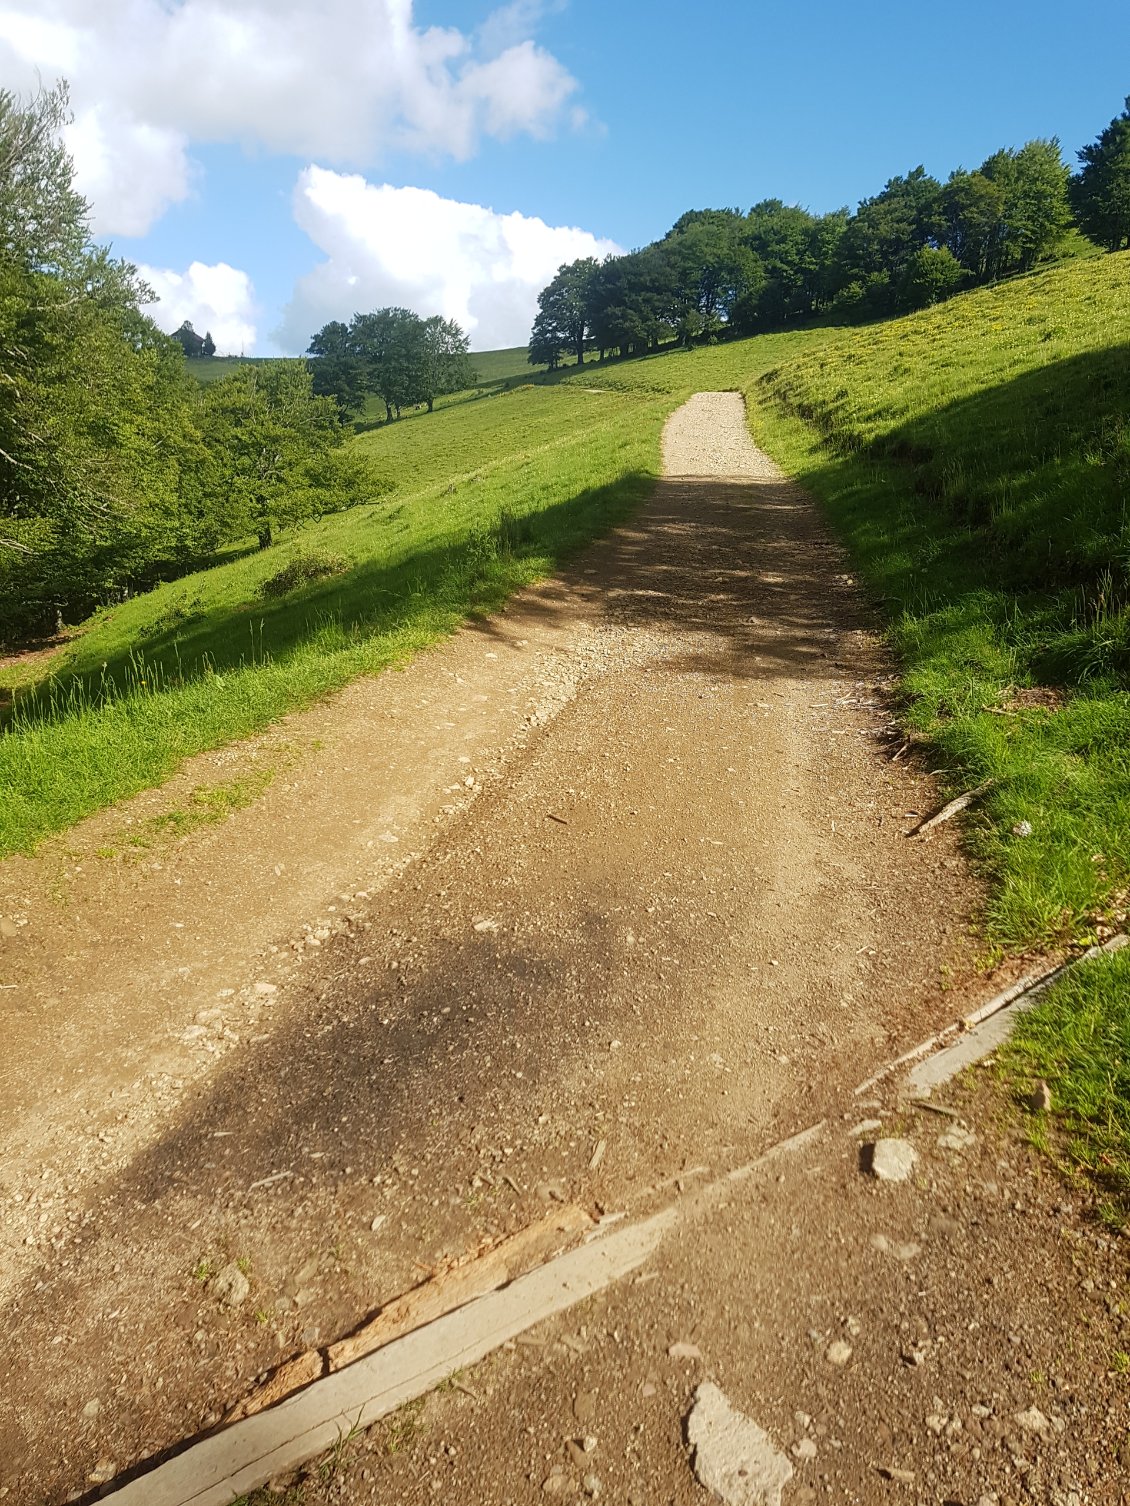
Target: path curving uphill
{"x":624,"y":864}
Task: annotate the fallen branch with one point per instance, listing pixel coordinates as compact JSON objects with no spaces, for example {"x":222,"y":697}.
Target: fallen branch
{"x":947,"y":812}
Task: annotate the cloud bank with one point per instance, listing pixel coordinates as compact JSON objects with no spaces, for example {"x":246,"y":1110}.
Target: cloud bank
{"x":408,"y":246}
{"x":344,"y":81}
{"x":217,"y":298}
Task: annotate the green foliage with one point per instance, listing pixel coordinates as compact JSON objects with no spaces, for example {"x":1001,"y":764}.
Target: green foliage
{"x":445,"y":365}
{"x":711,"y":271}
{"x":798,"y":253}
{"x":930,"y":276}
{"x":270,"y":443}
{"x":565,"y":314}
{"x":43,"y":221}
{"x":1100,"y":191}
{"x":886,"y":231}
{"x":1034,"y":213}
{"x":972,"y":210}
{"x":115,"y":470}
{"x":633,"y":302}
{"x":392,"y":353}
{"x":301,"y":571}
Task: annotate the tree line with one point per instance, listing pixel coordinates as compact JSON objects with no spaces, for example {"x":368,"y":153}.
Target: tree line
{"x":915,"y":243}
{"x":392,"y":354}
{"x":117,"y":468}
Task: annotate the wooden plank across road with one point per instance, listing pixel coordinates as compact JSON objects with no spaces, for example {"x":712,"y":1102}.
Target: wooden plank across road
{"x":240,"y":1458}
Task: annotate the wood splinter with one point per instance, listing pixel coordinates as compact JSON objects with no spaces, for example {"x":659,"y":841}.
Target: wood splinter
{"x":950,"y":810}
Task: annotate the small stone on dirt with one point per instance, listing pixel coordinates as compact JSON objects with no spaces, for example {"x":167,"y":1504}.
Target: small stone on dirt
{"x":683,"y":1351}
{"x":1033,"y":1421}
{"x":593,"y":1486}
{"x":892,"y":1160}
{"x":958,"y":1139}
{"x":231,"y":1286}
{"x":584,"y":1406}
{"x":92,"y":1408}
{"x":942,"y":1226}
{"x":805,"y":1449}
{"x":104,"y":1470}
{"x":838,"y":1353}
{"x":1040,"y":1099}
{"x":266,"y":988}
{"x":899,"y":1476}
{"x":732,"y":1455}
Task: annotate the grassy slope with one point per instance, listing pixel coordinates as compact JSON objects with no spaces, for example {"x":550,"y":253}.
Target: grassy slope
{"x":977,"y":457}
{"x":1078,"y":1040}
{"x":495,"y":366}
{"x":211,"y":368}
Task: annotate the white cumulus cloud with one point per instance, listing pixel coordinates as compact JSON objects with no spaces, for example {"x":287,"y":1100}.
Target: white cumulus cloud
{"x":219,"y":299}
{"x":410,"y":247}
{"x":344,"y":81}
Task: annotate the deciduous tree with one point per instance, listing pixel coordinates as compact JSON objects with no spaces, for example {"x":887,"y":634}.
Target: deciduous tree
{"x":271,"y":437}
{"x":1100,"y":191}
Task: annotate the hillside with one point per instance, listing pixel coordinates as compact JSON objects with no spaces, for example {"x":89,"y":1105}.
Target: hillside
{"x":974,"y":456}
{"x":978,"y":457}
{"x":211,"y":368}
{"x":467,"y":504}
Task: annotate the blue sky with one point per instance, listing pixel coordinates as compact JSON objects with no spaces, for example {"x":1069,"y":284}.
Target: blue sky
{"x":272,"y":164}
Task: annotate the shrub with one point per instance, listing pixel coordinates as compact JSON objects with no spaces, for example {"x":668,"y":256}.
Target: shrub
{"x":301,"y":570}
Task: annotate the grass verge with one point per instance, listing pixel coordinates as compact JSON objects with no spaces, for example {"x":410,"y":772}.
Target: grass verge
{"x":1077,"y":1039}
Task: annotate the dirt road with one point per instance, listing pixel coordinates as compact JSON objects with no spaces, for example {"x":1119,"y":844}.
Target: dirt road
{"x":625,"y":863}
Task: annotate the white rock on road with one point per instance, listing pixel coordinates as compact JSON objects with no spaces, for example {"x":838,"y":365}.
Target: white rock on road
{"x":230,"y":1286}
{"x":733,"y":1456}
{"x":892,"y":1160}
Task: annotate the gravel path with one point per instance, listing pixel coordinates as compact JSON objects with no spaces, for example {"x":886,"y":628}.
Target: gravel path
{"x":709,"y":436}
{"x":624,"y":864}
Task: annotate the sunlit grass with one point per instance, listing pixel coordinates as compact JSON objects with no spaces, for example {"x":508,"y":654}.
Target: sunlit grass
{"x":1077,"y":1039}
